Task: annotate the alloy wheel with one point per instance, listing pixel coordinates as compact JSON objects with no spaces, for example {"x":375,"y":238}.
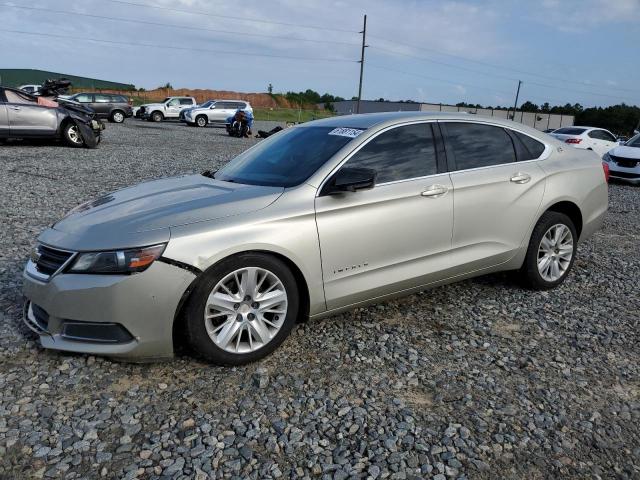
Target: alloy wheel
{"x":201,"y":122}
{"x":555,"y":252}
{"x":74,"y":134}
{"x":245,"y":310}
{"x":118,"y":117}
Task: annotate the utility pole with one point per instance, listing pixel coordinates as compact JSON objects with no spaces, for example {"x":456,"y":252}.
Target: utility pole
{"x":364,"y":35}
{"x":515,"y":105}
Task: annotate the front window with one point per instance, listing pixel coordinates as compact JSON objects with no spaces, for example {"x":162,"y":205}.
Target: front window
{"x":286,"y":159}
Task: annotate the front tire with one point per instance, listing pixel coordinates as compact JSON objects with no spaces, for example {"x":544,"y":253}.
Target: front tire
{"x":157,"y":116}
{"x":71,"y":135}
{"x":201,"y":121}
{"x":242,"y":310}
{"x":551,"y":251}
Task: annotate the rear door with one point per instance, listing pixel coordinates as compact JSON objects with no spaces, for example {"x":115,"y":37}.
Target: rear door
{"x":496,"y":197}
{"x":28,"y":118}
{"x":102,"y":104}
{"x":396,"y":235}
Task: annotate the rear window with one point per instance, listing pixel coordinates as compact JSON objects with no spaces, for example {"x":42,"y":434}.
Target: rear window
{"x":570,"y":131}
{"x":476,"y":145}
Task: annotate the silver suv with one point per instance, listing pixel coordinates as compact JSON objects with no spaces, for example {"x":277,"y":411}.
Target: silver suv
{"x":216,"y":112}
{"x":314,"y":220}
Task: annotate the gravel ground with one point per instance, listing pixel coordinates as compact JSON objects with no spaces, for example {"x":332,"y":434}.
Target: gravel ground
{"x":479,"y":379}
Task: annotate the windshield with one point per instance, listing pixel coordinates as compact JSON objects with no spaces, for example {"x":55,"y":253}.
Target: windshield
{"x":166,"y":99}
{"x":285,"y":159}
{"x":634,"y":142}
{"x":206,"y":104}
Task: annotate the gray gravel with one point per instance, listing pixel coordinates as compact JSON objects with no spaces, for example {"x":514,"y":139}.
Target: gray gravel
{"x":480,"y":379}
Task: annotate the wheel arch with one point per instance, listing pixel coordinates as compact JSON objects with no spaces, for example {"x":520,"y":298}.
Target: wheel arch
{"x":179,"y":340}
{"x":571,"y":210}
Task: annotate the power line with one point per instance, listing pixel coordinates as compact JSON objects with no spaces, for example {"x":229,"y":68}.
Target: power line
{"x":616,"y":97}
{"x":427,"y":77}
{"x":159,"y":24}
{"x":244,"y":19}
{"x":464,"y":84}
{"x":492,"y":65}
{"x":174,"y":47}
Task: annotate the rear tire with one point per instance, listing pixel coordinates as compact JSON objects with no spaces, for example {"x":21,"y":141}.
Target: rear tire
{"x":71,"y":135}
{"x":117,"y":116}
{"x":157,"y":117}
{"x":233,"y":327}
{"x":551,"y":252}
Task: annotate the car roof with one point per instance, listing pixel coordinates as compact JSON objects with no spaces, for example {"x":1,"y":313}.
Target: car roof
{"x":384,"y":119}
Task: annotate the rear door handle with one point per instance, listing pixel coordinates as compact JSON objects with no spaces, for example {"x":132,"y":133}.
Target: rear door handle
{"x":14,"y":107}
{"x":435,"y":191}
{"x":520,"y":178}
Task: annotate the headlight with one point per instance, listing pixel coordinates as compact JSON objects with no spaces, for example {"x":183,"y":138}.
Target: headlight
{"x":118,"y":261}
{"x":606,"y":157}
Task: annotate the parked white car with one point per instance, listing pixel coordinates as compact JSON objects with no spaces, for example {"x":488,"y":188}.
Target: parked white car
{"x":170,"y":107}
{"x":624,"y":161}
{"x":588,"y":138}
{"x":216,"y":112}
{"x":30,"y":88}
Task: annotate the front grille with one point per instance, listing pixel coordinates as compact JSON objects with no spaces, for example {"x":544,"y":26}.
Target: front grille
{"x":51,"y":259}
{"x":625,"y":162}
{"x":616,"y":173}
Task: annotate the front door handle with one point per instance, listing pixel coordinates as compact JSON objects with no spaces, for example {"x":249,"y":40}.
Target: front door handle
{"x":14,"y":107}
{"x":435,"y":191}
{"x":520,"y":178}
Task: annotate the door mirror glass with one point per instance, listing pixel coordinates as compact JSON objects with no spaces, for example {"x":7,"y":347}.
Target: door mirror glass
{"x":350,"y":179}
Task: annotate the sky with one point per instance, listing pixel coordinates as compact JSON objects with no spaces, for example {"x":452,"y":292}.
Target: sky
{"x":563,"y":51}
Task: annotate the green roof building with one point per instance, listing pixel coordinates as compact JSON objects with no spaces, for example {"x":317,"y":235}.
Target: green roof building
{"x":14,"y":77}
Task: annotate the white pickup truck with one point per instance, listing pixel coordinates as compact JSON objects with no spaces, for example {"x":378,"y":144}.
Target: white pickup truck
{"x":170,"y":107}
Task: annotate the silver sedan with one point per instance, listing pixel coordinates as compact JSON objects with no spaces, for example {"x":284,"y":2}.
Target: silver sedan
{"x":314,"y":220}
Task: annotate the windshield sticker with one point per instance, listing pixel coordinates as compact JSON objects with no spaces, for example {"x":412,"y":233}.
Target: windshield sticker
{"x":346,"y":132}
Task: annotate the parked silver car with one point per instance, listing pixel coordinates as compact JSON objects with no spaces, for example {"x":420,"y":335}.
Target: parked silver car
{"x":215,"y":112}
{"x":316,"y":219}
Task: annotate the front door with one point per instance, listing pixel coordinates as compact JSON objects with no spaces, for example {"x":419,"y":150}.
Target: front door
{"x":496,"y":197}
{"x":602,"y":141}
{"x":28,"y":118}
{"x":392,"y":237}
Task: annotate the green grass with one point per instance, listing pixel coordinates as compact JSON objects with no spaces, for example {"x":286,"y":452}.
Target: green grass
{"x":289,"y":115}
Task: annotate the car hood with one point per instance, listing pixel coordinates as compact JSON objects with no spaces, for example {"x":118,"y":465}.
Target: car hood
{"x":147,"y":105}
{"x":143,"y":214}
{"x":626,"y":152}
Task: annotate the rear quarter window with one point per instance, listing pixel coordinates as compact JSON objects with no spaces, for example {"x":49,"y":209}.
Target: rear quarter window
{"x":532,"y":147}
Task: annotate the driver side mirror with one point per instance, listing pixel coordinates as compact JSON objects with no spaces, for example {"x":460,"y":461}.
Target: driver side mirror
{"x":350,"y":179}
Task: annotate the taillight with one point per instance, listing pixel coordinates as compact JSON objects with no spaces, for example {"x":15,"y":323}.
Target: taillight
{"x":573,"y":140}
{"x":605,"y":167}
